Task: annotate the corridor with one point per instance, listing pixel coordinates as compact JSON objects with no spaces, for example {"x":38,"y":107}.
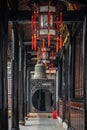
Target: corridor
{"x":41,"y":124}
{"x":43,"y":64}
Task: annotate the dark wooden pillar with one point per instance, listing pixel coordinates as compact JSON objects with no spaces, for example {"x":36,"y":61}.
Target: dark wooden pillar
{"x":25,"y":84}
{"x":3,"y":66}
{"x":69,"y":86}
{"x":28,"y":90}
{"x":15,"y":66}
{"x":21,"y":80}
{"x":64,"y":90}
{"x":85,"y":70}
{"x":29,"y":69}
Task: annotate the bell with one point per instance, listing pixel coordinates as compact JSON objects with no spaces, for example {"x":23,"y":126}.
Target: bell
{"x":40,"y":70}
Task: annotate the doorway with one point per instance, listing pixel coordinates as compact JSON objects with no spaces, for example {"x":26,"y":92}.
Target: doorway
{"x":42,"y":100}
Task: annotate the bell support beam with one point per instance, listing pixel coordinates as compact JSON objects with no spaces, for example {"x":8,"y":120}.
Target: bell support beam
{"x":68,"y":16}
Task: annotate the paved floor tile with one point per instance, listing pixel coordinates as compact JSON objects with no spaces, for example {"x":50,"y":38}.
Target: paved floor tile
{"x":42,"y":124}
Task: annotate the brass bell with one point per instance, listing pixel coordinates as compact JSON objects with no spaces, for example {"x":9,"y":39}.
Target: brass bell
{"x":40,"y":70}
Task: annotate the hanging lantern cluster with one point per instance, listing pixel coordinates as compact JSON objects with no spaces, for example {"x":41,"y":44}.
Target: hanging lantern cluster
{"x":47,"y":27}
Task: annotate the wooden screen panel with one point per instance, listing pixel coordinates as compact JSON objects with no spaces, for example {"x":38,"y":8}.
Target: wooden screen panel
{"x":78,"y":67}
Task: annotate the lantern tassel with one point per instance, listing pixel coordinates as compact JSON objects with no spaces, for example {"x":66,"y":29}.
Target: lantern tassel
{"x":48,"y":39}
{"x":52,"y":55}
{"x":34,"y":41}
{"x":38,"y":56}
{"x":42,"y":45}
{"x":57,"y":45}
{"x":49,"y":14}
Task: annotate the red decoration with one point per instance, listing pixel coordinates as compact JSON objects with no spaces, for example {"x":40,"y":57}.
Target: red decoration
{"x":42,"y":45}
{"x":52,"y":54}
{"x":54,"y":114}
{"x":38,"y":55}
{"x":61,"y":44}
{"x":49,"y":14}
{"x":57,"y":45}
{"x":48,"y":39}
{"x":34,"y":41}
{"x":61,"y":18}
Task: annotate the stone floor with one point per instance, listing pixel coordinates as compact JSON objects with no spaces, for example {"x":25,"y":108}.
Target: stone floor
{"x":40,"y":124}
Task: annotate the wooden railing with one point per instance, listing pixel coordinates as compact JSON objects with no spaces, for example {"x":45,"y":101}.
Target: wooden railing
{"x":77,"y":115}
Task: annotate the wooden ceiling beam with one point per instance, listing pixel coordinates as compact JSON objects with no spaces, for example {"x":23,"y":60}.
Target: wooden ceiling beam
{"x":68,"y":16}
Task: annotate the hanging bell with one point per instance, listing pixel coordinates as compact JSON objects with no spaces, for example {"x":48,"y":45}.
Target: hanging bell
{"x":40,"y":70}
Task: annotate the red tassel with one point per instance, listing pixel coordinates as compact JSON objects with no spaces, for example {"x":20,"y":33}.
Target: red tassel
{"x":49,"y":14}
{"x":42,"y":45}
{"x":38,"y":55}
{"x":32,"y":43}
{"x":57,"y":23}
{"x":61,"y":18}
{"x":57,"y":45}
{"x":61,"y":41}
{"x":52,"y":55}
{"x":48,"y":39}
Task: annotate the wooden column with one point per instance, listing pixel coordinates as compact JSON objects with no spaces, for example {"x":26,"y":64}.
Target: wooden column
{"x":64,"y":86}
{"x":69,"y":85}
{"x":3,"y":66}
{"x":21,"y":80}
{"x":25,"y":84}
{"x":85,"y":70}
{"x":15,"y":66}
